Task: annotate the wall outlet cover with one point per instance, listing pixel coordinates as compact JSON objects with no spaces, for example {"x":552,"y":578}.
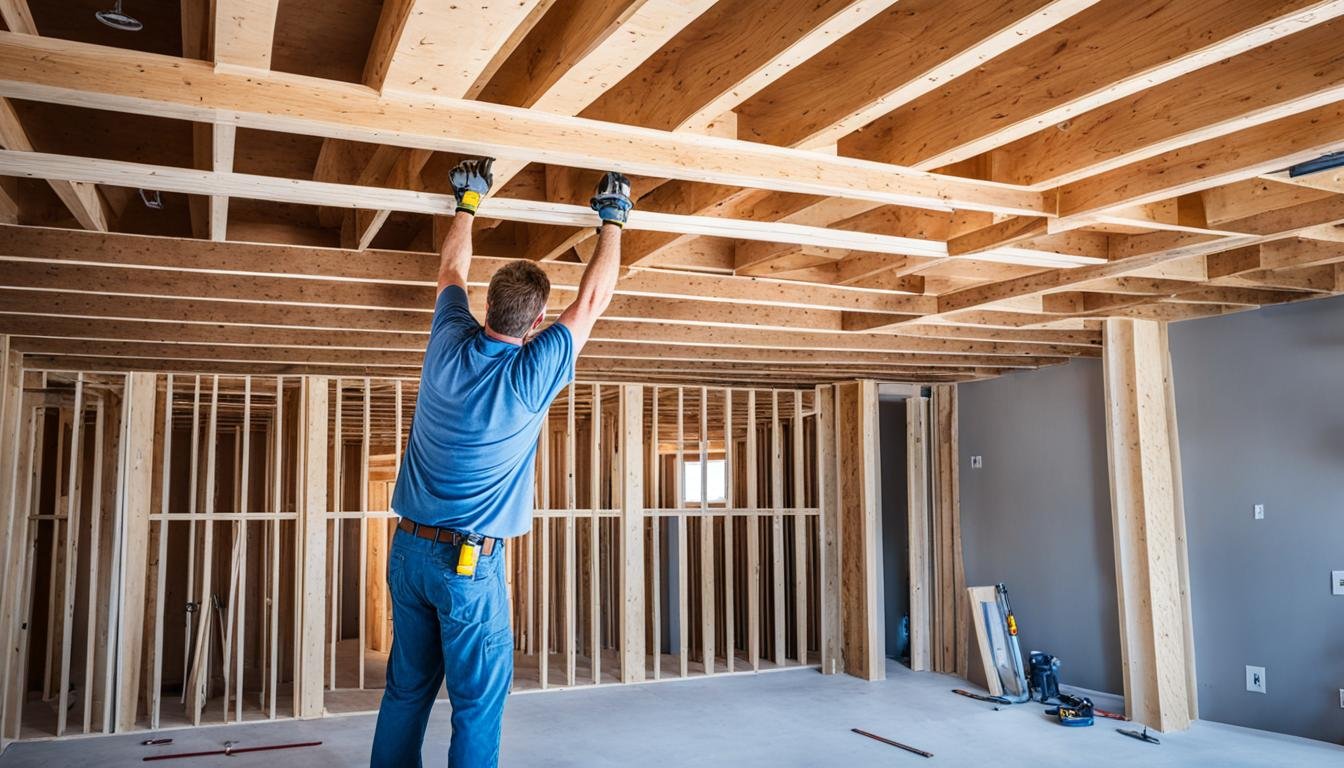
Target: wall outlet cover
{"x":1337,"y":582}
{"x":1255,"y":679}
{"x":1341,"y":698}
{"x":1259,"y":511}
{"x":977,"y":462}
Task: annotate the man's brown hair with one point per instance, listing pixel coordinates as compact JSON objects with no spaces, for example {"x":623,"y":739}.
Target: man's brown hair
{"x":518,"y":293}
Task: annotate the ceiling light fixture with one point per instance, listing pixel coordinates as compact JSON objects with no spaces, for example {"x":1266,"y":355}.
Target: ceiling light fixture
{"x":116,"y":19}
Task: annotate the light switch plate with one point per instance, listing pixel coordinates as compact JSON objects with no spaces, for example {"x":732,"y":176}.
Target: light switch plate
{"x":1259,"y":511}
{"x":977,"y":462}
{"x":1337,"y":582}
{"x":1255,"y":679}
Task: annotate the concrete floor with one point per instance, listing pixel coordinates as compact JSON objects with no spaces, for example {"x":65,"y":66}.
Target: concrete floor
{"x":797,"y":718}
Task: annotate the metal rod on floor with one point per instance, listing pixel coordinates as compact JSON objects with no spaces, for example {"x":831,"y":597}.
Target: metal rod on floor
{"x":897,"y":744}
{"x":229,"y":750}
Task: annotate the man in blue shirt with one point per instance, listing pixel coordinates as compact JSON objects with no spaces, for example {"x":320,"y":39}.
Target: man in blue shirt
{"x":466,"y":479}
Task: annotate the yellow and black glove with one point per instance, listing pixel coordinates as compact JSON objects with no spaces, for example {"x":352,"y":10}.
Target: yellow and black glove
{"x":471,"y":180}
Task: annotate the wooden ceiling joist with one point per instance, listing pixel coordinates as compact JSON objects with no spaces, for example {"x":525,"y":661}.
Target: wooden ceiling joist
{"x":1089,"y":60}
{"x":90,"y":76}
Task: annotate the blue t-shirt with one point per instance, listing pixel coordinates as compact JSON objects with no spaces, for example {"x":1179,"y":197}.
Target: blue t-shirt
{"x":482,"y":402}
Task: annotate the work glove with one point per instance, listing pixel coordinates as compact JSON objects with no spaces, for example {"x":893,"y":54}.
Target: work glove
{"x":471,"y":179}
{"x":612,"y":200}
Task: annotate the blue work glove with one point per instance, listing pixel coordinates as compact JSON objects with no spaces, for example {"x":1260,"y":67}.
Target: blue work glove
{"x":471,"y":179}
{"x":612,"y":200}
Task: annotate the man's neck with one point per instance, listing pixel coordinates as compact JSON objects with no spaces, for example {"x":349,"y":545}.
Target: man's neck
{"x":497,"y":336}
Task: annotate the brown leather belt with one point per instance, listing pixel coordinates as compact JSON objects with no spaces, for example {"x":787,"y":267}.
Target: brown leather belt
{"x":444,"y":535}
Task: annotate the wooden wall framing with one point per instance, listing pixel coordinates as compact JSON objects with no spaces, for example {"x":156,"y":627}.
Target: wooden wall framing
{"x":246,"y":522}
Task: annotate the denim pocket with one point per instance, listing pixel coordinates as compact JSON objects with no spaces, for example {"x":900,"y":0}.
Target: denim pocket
{"x":500,"y":638}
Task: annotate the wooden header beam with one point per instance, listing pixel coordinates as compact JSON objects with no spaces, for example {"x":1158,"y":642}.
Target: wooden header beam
{"x":78,"y":74}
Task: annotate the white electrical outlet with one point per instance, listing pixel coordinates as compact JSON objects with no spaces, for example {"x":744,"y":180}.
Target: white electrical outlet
{"x":977,"y":462}
{"x":1259,"y":511}
{"x":1255,"y":679}
{"x":1337,"y":582}
{"x":1341,"y":698}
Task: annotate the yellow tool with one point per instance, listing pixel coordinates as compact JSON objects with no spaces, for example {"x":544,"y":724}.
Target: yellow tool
{"x":469,"y":555}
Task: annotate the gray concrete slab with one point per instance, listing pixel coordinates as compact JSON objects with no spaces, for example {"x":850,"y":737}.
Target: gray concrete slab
{"x":794,"y":718}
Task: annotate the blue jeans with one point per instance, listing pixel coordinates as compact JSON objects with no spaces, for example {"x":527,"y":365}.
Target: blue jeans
{"x":445,"y":626}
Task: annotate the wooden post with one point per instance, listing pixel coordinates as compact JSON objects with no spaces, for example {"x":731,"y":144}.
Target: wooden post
{"x":856,"y":433}
{"x":921,"y":544}
{"x":134,"y":500}
{"x":954,"y":612}
{"x":1151,"y":568}
{"x":632,"y":533}
{"x":827,"y":500}
{"x":14,"y":433}
{"x":312,"y":545}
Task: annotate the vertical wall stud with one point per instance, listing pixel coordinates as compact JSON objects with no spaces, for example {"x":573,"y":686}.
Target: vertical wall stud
{"x":632,"y":533}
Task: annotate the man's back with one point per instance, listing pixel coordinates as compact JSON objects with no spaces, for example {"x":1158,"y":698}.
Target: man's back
{"x":468,"y":464}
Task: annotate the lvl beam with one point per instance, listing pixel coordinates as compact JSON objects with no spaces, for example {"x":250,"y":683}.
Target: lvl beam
{"x":79,"y":74}
{"x":135,"y":500}
{"x":1089,"y":60}
{"x":1152,"y":572}
{"x":312,"y":555}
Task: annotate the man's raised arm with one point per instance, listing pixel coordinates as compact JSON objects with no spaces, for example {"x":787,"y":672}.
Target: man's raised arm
{"x":471,"y":180}
{"x":612,"y":203}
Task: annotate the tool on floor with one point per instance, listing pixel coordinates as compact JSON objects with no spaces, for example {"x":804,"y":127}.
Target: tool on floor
{"x":1133,"y":734}
{"x":981,"y":697}
{"x":897,"y":744}
{"x":229,"y":750}
{"x":1044,"y":676}
{"x":1007,"y":608}
{"x":1073,"y":711}
{"x":155,"y":742}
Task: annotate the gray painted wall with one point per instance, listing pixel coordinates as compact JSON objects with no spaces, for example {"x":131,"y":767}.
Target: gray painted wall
{"x":1037,"y":516}
{"x":1260,"y":408}
{"x":895,"y":523}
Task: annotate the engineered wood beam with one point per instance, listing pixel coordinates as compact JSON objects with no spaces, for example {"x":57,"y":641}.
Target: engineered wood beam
{"x":82,"y":199}
{"x":443,"y":49}
{"x":310,"y":608}
{"x":1151,"y":556}
{"x":582,"y":51}
{"x":655,"y":335}
{"x":244,"y":33}
{"x":131,"y":283}
{"x":418,"y":45}
{"x":189,"y":181}
{"x":908,"y":50}
{"x":60,"y":246}
{"x":603,"y":355}
{"x":1085,"y":62}
{"x":18,"y":17}
{"x":1004,"y":233}
{"x":730,"y":52}
{"x":134,"y":501}
{"x":1143,"y":253}
{"x":1235,"y":157}
{"x":965,"y":45}
{"x":79,"y":74}
{"x":1286,"y":76}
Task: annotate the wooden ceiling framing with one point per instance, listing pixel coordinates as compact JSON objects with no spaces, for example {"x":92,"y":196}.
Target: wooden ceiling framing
{"x":912,"y":190}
